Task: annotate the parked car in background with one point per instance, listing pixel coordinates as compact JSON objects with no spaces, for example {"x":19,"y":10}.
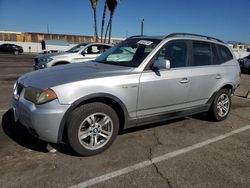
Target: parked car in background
{"x":245,"y":63}
{"x":79,"y":53}
{"x":11,"y":48}
{"x":141,"y":80}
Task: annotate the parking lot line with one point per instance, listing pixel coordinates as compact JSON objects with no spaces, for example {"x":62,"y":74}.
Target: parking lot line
{"x":155,"y":160}
{"x":243,"y":98}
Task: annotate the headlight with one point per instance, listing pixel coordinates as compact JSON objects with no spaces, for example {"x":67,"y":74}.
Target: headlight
{"x":45,"y":60}
{"x":39,"y":96}
{"x":14,"y":87}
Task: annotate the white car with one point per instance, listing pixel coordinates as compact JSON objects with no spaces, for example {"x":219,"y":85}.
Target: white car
{"x":79,"y":53}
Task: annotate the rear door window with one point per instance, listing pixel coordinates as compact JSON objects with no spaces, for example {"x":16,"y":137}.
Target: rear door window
{"x":202,"y":54}
{"x":94,"y":49}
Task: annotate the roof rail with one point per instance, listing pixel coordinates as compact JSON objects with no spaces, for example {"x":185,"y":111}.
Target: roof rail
{"x":194,"y":35}
{"x":135,"y":36}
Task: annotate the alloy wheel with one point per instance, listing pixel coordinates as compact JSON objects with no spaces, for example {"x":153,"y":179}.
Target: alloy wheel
{"x":95,"y":131}
{"x":223,"y":105}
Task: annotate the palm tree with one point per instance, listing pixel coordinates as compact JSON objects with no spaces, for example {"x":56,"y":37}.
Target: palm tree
{"x":103,"y":19}
{"x":94,"y":5}
{"x":112,"y":4}
{"x":107,"y":30}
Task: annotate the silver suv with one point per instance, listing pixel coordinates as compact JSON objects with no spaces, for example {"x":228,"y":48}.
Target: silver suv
{"x":79,"y":53}
{"x":139,"y":81}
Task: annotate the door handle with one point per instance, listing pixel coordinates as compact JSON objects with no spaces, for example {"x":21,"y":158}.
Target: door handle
{"x":184,"y":81}
{"x":218,"y":76}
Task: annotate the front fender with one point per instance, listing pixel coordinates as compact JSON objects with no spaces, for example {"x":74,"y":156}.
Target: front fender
{"x":84,"y":99}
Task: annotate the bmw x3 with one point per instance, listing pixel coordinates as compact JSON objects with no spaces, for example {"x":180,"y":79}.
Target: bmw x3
{"x":142,"y":80}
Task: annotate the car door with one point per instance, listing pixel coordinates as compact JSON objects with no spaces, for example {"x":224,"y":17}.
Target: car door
{"x":90,"y":53}
{"x":87,"y":54}
{"x":9,"y":48}
{"x":164,"y":90}
{"x":6,"y":48}
{"x":206,"y":73}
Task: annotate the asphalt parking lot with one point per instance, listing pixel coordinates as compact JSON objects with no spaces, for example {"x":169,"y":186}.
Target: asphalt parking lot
{"x":187,"y":152}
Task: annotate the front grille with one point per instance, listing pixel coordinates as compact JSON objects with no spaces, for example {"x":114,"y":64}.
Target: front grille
{"x":19,"y":89}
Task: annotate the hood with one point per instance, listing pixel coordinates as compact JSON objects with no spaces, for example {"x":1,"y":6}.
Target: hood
{"x":54,"y":76}
{"x":61,"y":54}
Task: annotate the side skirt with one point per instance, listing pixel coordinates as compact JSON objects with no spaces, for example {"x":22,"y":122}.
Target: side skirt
{"x":143,"y":120}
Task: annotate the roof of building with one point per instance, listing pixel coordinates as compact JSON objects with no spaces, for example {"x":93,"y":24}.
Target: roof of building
{"x":11,"y":32}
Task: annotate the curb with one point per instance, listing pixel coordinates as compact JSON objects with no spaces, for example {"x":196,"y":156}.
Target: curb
{"x":248,"y":95}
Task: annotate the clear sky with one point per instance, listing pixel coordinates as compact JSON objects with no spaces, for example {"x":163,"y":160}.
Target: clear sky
{"x":225,"y":19}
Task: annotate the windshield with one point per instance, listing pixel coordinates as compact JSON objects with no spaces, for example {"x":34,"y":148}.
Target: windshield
{"x":77,"y":48}
{"x":130,"y":52}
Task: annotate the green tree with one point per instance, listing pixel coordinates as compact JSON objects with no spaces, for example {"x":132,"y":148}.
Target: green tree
{"x":94,"y":5}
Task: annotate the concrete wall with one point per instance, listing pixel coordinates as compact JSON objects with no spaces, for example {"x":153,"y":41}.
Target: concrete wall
{"x":37,"y":47}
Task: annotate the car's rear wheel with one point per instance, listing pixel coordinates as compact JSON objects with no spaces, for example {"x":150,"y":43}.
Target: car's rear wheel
{"x":92,"y":128}
{"x":221,"y":105}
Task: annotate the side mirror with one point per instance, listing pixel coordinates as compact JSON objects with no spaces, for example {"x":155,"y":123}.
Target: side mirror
{"x":162,"y":64}
{"x":83,"y":53}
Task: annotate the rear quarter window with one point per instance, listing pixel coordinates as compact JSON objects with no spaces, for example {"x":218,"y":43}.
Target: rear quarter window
{"x":225,"y":54}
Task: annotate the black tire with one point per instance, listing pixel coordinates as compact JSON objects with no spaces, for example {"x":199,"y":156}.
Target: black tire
{"x":214,"y":110}
{"x":78,"y":120}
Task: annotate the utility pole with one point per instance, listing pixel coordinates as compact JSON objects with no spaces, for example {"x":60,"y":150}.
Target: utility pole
{"x":142,"y":26}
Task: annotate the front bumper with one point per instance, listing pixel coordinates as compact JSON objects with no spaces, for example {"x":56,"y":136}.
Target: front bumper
{"x":37,"y":66}
{"x":42,"y":121}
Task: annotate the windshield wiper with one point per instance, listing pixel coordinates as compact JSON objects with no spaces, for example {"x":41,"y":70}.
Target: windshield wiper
{"x":100,"y":61}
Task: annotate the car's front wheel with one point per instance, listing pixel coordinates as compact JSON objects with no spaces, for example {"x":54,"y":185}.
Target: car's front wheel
{"x":92,"y":128}
{"x":221,"y":105}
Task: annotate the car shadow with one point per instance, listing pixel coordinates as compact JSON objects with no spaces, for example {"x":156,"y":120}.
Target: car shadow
{"x":18,"y":133}
{"x":202,"y":117}
{"x":150,"y":126}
